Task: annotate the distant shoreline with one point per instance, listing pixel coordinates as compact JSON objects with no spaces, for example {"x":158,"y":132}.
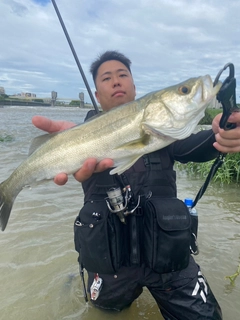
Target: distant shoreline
{"x":20,"y":103}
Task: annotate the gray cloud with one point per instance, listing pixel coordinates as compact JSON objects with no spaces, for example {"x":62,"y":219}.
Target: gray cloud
{"x":167,"y":41}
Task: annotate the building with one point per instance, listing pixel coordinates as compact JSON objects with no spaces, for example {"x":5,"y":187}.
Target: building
{"x":24,"y":95}
{"x":30,"y":95}
{"x":2,"y":90}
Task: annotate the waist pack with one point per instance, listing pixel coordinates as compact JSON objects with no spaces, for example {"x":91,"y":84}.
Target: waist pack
{"x":104,"y":242}
{"x":167,"y":234}
{"x":98,"y":237}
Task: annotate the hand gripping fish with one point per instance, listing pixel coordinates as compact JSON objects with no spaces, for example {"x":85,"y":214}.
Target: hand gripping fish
{"x":124,"y":134}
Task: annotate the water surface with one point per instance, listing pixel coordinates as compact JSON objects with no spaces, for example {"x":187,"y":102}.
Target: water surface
{"x":38,"y":267}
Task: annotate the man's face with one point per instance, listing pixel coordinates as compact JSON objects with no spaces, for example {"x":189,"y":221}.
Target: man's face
{"x":114,"y":85}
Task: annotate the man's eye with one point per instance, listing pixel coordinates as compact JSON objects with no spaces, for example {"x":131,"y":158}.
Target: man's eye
{"x":123,"y":75}
{"x":107,"y":78}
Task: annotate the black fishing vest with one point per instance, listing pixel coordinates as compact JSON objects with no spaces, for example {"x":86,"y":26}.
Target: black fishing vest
{"x":146,"y":175}
{"x":157,"y":234}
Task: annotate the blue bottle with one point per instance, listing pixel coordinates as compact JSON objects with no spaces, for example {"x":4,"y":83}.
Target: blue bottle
{"x":194,"y":225}
{"x":189,"y":202}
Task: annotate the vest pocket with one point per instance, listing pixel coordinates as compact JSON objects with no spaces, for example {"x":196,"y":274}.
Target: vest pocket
{"x":167,"y":234}
{"x":97,"y":236}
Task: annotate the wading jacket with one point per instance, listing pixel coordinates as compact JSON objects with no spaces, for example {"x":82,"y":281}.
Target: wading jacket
{"x":158,"y":233}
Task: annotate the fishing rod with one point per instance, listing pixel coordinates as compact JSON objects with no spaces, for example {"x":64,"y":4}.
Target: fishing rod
{"x":75,"y":56}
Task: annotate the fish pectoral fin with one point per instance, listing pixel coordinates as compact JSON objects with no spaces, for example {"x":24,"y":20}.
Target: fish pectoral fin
{"x":135,"y":144}
{"x":150,"y":130}
{"x":125,"y":164}
{"x":134,"y":148}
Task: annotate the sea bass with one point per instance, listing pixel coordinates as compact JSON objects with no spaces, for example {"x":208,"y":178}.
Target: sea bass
{"x":123,"y":134}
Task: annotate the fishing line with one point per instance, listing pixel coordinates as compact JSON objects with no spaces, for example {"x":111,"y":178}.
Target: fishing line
{"x":75,"y":56}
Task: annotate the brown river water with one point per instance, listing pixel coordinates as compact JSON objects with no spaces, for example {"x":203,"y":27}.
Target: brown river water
{"x":39,"y":278}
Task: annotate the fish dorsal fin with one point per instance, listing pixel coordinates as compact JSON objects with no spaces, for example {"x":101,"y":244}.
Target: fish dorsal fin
{"x":39,"y":141}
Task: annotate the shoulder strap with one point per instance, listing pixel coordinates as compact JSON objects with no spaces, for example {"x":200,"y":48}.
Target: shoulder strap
{"x":153,"y":161}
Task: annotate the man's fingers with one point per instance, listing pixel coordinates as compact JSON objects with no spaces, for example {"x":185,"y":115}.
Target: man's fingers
{"x":90,"y":166}
{"x":61,"y":179}
{"x":86,"y":170}
{"x":49,"y":125}
{"x":104,"y":164}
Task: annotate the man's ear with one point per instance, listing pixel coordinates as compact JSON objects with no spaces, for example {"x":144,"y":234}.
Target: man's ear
{"x":96,"y":95}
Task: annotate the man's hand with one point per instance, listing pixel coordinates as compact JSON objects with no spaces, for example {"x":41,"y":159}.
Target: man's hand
{"x":51,"y":126}
{"x":227,"y":141}
{"x":89,"y":166}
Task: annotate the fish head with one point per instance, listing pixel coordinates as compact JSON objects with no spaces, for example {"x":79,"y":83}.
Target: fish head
{"x":176,"y":110}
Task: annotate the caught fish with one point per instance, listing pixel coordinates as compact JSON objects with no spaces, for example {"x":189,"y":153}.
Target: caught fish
{"x":123,"y":134}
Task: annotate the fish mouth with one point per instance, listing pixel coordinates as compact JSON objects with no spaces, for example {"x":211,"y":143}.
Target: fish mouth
{"x":207,"y":85}
{"x":208,"y":90}
{"x":205,"y":90}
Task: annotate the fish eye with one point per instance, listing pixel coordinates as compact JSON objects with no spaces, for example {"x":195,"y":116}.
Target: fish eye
{"x":183,"y":90}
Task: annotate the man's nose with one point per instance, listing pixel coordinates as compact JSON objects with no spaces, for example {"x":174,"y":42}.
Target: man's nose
{"x":116,"y":82}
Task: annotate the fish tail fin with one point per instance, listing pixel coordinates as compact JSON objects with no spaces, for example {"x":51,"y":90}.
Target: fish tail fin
{"x":6,"y":204}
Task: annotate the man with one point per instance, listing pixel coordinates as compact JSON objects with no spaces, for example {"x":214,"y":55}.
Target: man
{"x":122,"y":258}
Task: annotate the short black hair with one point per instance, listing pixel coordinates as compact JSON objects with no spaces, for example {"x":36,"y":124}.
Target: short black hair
{"x":107,"y":56}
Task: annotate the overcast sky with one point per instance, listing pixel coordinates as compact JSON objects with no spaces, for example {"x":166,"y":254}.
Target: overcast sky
{"x":168,"y":42}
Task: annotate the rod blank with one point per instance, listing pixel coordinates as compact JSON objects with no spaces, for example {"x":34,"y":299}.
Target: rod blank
{"x":75,"y":56}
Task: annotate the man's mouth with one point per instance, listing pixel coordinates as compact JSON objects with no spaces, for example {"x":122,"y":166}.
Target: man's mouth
{"x":118,"y":94}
